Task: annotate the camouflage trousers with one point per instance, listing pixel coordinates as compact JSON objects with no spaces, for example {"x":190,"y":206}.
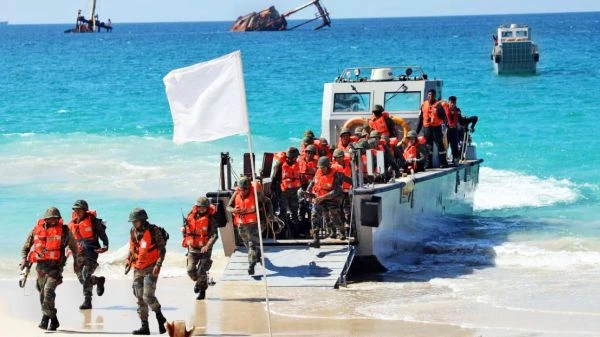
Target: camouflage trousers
{"x":144,"y":287}
{"x":198,"y":265}
{"x":330,"y":213}
{"x":84,"y":269}
{"x":249,"y":235}
{"x":47,"y":281}
{"x":346,"y":208}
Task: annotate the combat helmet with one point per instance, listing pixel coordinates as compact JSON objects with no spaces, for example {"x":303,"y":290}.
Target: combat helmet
{"x":202,"y":202}
{"x":52,"y":213}
{"x":138,"y":214}
{"x":80,"y":204}
{"x":323,"y":162}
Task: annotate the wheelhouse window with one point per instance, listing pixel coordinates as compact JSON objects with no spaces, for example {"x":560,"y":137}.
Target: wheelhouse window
{"x":521,"y":33}
{"x":402,"y":101}
{"x":352,"y":102}
{"x":507,"y":34}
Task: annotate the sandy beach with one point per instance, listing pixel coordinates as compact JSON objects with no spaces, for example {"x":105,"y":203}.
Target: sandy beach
{"x":229,"y":310}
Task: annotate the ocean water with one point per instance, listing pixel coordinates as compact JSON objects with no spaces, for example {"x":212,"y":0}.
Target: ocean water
{"x":85,"y":116}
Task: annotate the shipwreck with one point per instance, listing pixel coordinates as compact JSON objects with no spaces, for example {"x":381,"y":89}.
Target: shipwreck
{"x":270,"y":20}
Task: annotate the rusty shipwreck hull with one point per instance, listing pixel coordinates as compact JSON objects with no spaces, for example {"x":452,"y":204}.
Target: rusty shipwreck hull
{"x":270,"y":19}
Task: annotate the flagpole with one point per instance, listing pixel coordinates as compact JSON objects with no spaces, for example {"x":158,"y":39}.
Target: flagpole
{"x":250,"y":147}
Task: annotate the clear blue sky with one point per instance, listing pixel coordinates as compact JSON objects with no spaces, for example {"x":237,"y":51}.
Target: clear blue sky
{"x":64,"y":11}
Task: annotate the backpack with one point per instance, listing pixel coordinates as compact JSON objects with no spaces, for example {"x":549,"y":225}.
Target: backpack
{"x":162,"y":232}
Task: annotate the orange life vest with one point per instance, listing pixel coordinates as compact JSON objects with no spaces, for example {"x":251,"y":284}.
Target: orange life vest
{"x":290,"y":176}
{"x":430,"y":115}
{"x":84,"y":230}
{"x":380,"y":124}
{"x":324,"y":183}
{"x":247,"y":208}
{"x":411,"y":153}
{"x":451,"y":116}
{"x":280,"y":157}
{"x":308,"y":169}
{"x":346,"y":170}
{"x":47,"y":242}
{"x":196,"y":231}
{"x":146,"y":253}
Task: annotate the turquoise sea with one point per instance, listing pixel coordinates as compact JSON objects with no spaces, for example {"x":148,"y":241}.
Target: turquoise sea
{"x":86,"y":116}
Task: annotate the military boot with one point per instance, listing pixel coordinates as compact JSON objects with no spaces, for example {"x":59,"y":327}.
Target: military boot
{"x":197,"y":287}
{"x":144,"y":330}
{"x":201,"y":295}
{"x":316,"y":242}
{"x":54,"y":324}
{"x":87,"y":303}
{"x":44,"y":323}
{"x":161,"y":322}
{"x":251,"y":268}
{"x":100,"y":285}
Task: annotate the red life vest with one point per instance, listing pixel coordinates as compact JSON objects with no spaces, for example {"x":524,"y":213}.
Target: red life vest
{"x":84,"y":230}
{"x":47,"y":242}
{"x":196,"y":231}
{"x":247,"y":208}
{"x":290,"y":176}
{"x":308,"y":169}
{"x":451,"y":116}
{"x":411,"y":153}
{"x":324,"y":183}
{"x":430,"y":115}
{"x":147,"y":253}
{"x":380,"y":124}
{"x":346,"y":170}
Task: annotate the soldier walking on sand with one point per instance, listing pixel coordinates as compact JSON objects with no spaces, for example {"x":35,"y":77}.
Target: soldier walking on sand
{"x":147,"y":249}
{"x":45,"y":246}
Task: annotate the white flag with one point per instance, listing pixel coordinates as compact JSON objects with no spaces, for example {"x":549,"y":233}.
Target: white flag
{"x":208,"y":100}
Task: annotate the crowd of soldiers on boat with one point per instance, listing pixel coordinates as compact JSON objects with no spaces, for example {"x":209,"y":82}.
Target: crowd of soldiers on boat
{"x":310,"y":192}
{"x":92,"y":25}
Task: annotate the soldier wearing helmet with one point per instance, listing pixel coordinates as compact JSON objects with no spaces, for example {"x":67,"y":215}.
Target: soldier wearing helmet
{"x":242,"y":206}
{"x":87,"y":229}
{"x":343,"y":166}
{"x":326,"y":189}
{"x":308,"y":168}
{"x":45,"y":246}
{"x":345,"y":140}
{"x":287,"y":175}
{"x":147,"y":250}
{"x":199,"y":236}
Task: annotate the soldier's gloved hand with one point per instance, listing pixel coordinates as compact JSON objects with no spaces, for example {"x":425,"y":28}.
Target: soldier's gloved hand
{"x":156,"y":270}
{"x":472,"y":130}
{"x":101,"y":250}
{"x":204,"y":249}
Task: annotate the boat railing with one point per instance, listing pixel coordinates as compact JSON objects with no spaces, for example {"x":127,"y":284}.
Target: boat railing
{"x":392,"y":73}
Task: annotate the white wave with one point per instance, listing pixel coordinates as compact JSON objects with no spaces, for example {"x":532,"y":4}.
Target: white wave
{"x":500,"y":189}
{"x":19,"y":134}
{"x":533,"y":256}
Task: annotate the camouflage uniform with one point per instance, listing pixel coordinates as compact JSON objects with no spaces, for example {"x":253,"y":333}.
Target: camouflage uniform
{"x":87,"y":259}
{"x":198,"y":263}
{"x":144,"y":283}
{"x":249,"y":236}
{"x":329,"y":208}
{"x":49,"y":273}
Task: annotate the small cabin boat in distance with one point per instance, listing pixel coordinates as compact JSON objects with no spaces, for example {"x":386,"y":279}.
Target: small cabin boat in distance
{"x":91,"y":25}
{"x":514,"y":52}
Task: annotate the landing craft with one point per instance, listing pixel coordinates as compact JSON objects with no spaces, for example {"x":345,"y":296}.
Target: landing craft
{"x":514,"y":52}
{"x":270,"y":20}
{"x":389,"y":215}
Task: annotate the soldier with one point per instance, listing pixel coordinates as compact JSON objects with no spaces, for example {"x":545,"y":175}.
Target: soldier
{"x":199,"y":236}
{"x":343,"y":166}
{"x":289,"y":171}
{"x":47,"y":242}
{"x":87,"y":229}
{"x":326,"y":190}
{"x":344,"y":141}
{"x":147,"y":249}
{"x":245,"y":217}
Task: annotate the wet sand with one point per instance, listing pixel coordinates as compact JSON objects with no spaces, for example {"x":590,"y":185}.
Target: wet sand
{"x":229,"y":310}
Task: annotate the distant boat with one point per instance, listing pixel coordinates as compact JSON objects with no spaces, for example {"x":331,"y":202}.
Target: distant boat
{"x":91,"y":25}
{"x":3,"y":23}
{"x":514,"y":52}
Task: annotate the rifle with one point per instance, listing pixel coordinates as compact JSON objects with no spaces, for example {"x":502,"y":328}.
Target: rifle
{"x":129,"y":263}
{"x":25,"y":269}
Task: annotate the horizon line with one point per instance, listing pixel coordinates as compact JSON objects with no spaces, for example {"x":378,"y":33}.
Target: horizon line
{"x":340,"y":18}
